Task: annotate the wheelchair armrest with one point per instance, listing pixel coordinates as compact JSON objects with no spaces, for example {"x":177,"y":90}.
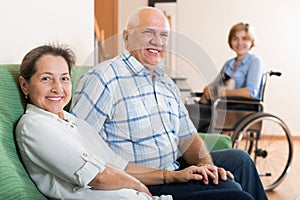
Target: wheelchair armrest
{"x":236,"y":101}
{"x":196,"y":94}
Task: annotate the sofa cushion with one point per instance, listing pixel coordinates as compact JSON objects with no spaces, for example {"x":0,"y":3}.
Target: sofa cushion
{"x":14,"y":181}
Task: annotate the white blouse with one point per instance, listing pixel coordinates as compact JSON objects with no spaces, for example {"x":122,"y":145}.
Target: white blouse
{"x":63,"y":156}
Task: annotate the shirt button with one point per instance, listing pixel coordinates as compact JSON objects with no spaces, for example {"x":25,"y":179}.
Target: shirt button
{"x":84,"y":155}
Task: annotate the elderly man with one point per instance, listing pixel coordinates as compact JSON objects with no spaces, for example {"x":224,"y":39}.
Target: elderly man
{"x":137,"y":110}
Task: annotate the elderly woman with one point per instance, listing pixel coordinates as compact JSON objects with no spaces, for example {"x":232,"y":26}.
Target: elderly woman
{"x":62,"y":162}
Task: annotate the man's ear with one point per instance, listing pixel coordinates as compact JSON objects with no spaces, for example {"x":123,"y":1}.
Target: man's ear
{"x":125,"y":36}
{"x":23,"y":85}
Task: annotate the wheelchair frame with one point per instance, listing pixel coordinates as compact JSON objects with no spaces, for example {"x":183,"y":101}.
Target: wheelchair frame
{"x":255,"y":132}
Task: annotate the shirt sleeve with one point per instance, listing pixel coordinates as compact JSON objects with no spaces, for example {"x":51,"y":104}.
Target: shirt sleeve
{"x":97,"y":147}
{"x":187,"y":127}
{"x":217,"y":80}
{"x":92,"y":100}
{"x":57,"y":152}
{"x":254,"y":77}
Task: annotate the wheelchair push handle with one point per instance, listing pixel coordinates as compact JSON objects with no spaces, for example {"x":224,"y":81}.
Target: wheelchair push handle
{"x":275,"y":73}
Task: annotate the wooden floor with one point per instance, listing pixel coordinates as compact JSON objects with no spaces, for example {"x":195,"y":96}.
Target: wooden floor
{"x":289,"y":189}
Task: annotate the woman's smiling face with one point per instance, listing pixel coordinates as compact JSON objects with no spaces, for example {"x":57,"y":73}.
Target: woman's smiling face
{"x":241,"y":43}
{"x":50,"y":87}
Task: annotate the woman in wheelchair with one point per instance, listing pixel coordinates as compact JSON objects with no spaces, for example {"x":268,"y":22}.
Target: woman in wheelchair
{"x":240,"y":76}
{"x":233,"y":104}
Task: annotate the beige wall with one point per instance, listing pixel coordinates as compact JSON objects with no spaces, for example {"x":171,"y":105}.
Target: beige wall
{"x":276,"y":26}
{"x":126,"y":7}
{"x":205,"y":24}
{"x":27,"y":24}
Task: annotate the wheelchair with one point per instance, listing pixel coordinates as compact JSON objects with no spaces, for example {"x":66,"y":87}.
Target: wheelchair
{"x":254,"y":131}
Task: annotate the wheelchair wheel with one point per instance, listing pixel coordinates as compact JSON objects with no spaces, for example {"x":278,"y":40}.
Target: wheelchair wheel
{"x":269,"y":143}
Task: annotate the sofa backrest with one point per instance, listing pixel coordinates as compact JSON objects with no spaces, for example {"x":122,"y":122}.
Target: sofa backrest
{"x":14,"y":180}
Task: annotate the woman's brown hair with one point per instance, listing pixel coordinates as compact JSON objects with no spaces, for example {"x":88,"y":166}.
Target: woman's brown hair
{"x":28,"y":68}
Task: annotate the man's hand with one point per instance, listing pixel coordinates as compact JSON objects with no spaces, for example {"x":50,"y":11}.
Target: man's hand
{"x":213,"y":172}
{"x":184,"y":175}
{"x":113,"y":179}
{"x":201,"y":172}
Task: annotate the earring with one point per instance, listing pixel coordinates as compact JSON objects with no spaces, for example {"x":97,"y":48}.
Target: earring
{"x":26,"y":96}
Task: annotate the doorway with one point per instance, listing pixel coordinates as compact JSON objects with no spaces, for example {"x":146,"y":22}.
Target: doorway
{"x":106,"y":27}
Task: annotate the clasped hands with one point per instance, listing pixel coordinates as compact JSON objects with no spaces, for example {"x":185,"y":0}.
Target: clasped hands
{"x":112,"y":178}
{"x":204,"y":172}
{"x":213,"y":92}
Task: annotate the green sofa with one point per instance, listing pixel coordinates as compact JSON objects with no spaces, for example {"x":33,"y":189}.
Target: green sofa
{"x":14,"y":181}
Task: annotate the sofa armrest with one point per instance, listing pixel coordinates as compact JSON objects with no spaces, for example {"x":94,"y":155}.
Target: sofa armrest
{"x":216,"y":141}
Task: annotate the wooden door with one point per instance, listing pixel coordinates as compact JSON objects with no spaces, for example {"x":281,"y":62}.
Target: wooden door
{"x":106,"y":18}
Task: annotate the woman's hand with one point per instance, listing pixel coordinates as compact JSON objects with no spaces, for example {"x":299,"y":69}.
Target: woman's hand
{"x":113,"y":179}
{"x":206,"y":93}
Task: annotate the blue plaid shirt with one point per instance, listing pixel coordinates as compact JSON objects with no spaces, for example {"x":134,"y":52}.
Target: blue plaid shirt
{"x":141,"y":118}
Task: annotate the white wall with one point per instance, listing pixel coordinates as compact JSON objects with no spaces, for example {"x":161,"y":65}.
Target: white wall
{"x":207,"y":23}
{"x":27,"y":24}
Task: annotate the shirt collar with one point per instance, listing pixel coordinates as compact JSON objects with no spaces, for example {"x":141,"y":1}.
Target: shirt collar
{"x":138,"y":68}
{"x":245,"y":60}
{"x":247,"y":57}
{"x":30,"y":108}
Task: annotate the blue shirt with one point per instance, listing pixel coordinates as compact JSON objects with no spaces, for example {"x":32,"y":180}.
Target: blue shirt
{"x":141,"y":118}
{"x":248,"y":74}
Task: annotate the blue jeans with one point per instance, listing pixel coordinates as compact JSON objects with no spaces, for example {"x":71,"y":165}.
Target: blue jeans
{"x":238,"y":162}
{"x":216,"y":194}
